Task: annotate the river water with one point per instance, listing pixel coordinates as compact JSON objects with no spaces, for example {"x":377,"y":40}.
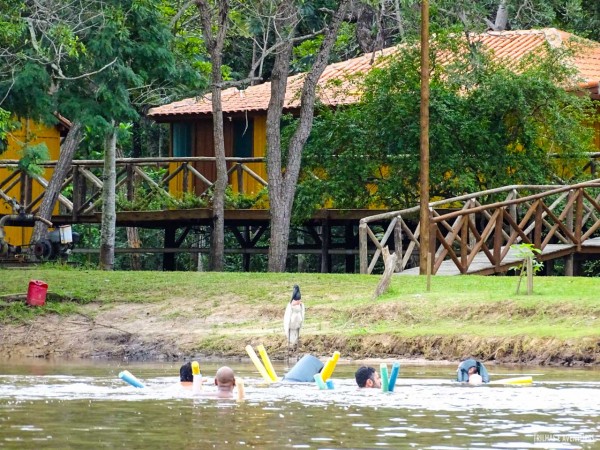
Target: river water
{"x":69,"y":405}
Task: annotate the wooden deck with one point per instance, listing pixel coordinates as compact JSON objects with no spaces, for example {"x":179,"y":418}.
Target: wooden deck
{"x":481,"y":265}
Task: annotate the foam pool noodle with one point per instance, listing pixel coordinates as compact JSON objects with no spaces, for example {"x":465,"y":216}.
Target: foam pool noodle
{"x":195,"y":368}
{"x":383,"y":370}
{"x":516,"y":380}
{"x":330,"y":366}
{"x":259,"y":366}
{"x":393,"y":376}
{"x":319,"y":381}
{"x":329,"y":384}
{"x":267,"y":362}
{"x":197,"y":379}
{"x":126,"y":376}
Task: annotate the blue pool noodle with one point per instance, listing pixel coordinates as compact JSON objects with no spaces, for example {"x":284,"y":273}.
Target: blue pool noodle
{"x":393,"y":376}
{"x":129,"y":378}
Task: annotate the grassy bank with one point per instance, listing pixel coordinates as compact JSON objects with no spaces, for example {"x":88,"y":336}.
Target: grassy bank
{"x":460,"y":316}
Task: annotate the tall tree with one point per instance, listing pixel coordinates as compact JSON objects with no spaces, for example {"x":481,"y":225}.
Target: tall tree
{"x":40,"y":44}
{"x":283,"y":166}
{"x":214,"y":20}
{"x":109,"y":213}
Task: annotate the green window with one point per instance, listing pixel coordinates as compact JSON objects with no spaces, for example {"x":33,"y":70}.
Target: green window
{"x":182,"y":139}
{"x":243,"y":138}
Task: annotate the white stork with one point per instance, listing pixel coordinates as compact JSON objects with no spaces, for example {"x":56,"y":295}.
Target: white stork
{"x":293,"y":319}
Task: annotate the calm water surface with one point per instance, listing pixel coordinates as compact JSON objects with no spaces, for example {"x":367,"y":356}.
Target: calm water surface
{"x":67,"y":405}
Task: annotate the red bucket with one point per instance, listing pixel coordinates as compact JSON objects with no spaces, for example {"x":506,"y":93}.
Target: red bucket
{"x":36,"y":294}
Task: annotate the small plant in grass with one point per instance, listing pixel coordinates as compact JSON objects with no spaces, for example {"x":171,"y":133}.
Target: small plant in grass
{"x":529,"y":264}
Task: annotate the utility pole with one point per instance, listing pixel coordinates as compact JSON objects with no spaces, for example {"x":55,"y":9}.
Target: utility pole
{"x":424,"y":259}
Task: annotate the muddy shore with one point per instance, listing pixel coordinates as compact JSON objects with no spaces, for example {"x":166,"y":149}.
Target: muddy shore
{"x":167,"y":331}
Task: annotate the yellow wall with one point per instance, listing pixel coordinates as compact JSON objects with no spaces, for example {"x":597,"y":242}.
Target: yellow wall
{"x":202,"y":145}
{"x":251,"y":185}
{"x":32,"y":133}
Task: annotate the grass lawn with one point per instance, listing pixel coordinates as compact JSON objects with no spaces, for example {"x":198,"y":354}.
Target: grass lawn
{"x":561,"y":307}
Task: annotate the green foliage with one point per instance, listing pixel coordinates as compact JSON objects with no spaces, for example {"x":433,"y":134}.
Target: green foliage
{"x":592,"y":268}
{"x":236,"y":200}
{"x":529,"y":264}
{"x":28,"y":94}
{"x":527,"y":251}
{"x":6,"y":126}
{"x":31,"y":157}
{"x":490,"y":125}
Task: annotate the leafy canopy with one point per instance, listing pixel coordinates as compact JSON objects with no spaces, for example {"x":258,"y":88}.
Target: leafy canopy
{"x":491,"y":124}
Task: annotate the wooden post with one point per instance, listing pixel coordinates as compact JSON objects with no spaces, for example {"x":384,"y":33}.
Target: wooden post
{"x":498,"y":238}
{"x":362,"y":247}
{"x":77,"y":191}
{"x":186,"y":179}
{"x":537,"y":234}
{"x":424,"y":214}
{"x":246,"y":257}
{"x":464,"y":241}
{"x":130,"y":182}
{"x":431,"y":250}
{"x":169,"y":242}
{"x":390,"y":266}
{"x":240,"y":178}
{"x":429,"y":262}
{"x":325,"y":241}
{"x":569,"y":224}
{"x":529,"y":275}
{"x":398,"y":250}
{"x":579,"y":218}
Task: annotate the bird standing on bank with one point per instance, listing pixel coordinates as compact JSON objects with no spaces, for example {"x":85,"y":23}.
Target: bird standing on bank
{"x":293,"y":319}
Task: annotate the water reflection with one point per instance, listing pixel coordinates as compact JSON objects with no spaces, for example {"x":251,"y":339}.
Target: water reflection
{"x":83,"y":406}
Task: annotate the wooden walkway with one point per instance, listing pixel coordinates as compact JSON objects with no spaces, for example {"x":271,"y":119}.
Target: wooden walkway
{"x":475,"y":237}
{"x":481,"y":265}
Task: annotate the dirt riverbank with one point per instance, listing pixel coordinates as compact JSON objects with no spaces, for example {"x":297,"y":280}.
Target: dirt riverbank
{"x":178,"y":328}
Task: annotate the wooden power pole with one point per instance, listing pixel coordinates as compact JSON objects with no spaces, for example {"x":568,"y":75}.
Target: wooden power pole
{"x":424,"y":259}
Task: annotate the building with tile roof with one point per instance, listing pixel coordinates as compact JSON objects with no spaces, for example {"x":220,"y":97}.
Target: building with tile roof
{"x":245,"y":109}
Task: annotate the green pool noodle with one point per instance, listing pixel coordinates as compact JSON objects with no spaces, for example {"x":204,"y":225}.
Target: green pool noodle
{"x":320,"y":381}
{"x":383,"y":369}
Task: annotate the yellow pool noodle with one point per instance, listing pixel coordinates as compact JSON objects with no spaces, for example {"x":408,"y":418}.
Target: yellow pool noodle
{"x":195,"y":368}
{"x":267,"y":362}
{"x":258,"y":364}
{"x":330,"y":366}
{"x":516,"y":380}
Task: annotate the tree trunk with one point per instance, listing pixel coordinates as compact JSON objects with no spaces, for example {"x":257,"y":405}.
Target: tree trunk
{"x":109,"y":215}
{"x":133,"y":233}
{"x":67,"y":151}
{"x":214,"y":44}
{"x":280,"y":219}
{"x":282,"y":182}
{"x":218,"y":235}
{"x":501,"y":17}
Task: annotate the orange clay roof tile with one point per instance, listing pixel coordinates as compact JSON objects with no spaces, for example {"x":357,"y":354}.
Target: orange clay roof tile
{"x":335,"y":87}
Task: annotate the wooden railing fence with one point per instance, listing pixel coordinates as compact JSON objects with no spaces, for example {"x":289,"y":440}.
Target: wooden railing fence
{"x":81,"y":192}
{"x":463,"y":227}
